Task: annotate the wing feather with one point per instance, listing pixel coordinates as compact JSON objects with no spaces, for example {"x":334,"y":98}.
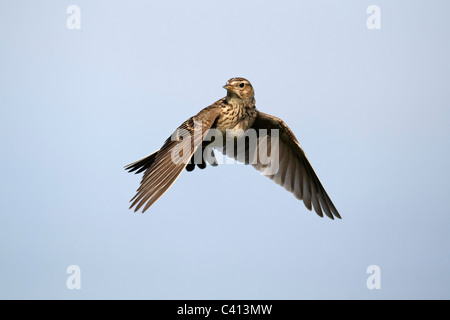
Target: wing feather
{"x":295,"y":173}
{"x":161,"y":170}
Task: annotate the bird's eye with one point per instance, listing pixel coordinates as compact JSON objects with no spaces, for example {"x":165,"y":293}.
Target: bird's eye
{"x":242,"y":85}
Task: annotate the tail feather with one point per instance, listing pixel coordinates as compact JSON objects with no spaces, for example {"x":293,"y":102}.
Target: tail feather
{"x":142,"y":164}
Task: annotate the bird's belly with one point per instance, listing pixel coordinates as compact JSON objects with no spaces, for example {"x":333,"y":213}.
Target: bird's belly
{"x":234,"y":122}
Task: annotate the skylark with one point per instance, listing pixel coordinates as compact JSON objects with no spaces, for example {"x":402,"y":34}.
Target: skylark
{"x":234,"y":113}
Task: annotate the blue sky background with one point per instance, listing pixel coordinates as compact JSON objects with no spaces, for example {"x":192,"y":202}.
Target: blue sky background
{"x":371,"y":108}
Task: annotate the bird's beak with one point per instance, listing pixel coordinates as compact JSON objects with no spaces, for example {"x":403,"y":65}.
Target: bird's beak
{"x":227,"y":87}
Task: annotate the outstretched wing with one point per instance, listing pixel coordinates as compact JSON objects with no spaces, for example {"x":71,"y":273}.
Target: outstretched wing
{"x":164,"y":166}
{"x":292,"y":169}
{"x":295,"y":173}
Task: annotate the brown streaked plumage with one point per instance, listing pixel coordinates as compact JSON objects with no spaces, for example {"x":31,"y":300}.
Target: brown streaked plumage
{"x":235,"y":111}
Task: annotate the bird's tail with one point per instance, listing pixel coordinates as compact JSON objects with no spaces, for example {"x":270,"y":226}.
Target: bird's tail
{"x":142,"y":164}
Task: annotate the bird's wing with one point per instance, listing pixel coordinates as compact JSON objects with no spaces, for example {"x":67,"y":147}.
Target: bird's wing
{"x":294,"y":172}
{"x":168,"y":163}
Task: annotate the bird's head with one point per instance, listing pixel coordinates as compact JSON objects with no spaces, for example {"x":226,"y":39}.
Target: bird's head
{"x":239,"y":88}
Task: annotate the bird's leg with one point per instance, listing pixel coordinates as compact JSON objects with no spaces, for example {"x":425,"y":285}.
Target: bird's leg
{"x":199,"y":158}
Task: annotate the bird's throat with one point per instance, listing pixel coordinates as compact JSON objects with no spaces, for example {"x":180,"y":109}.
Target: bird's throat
{"x":237,"y":102}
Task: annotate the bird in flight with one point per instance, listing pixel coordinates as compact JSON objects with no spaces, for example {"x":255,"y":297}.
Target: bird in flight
{"x":232,"y":116}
